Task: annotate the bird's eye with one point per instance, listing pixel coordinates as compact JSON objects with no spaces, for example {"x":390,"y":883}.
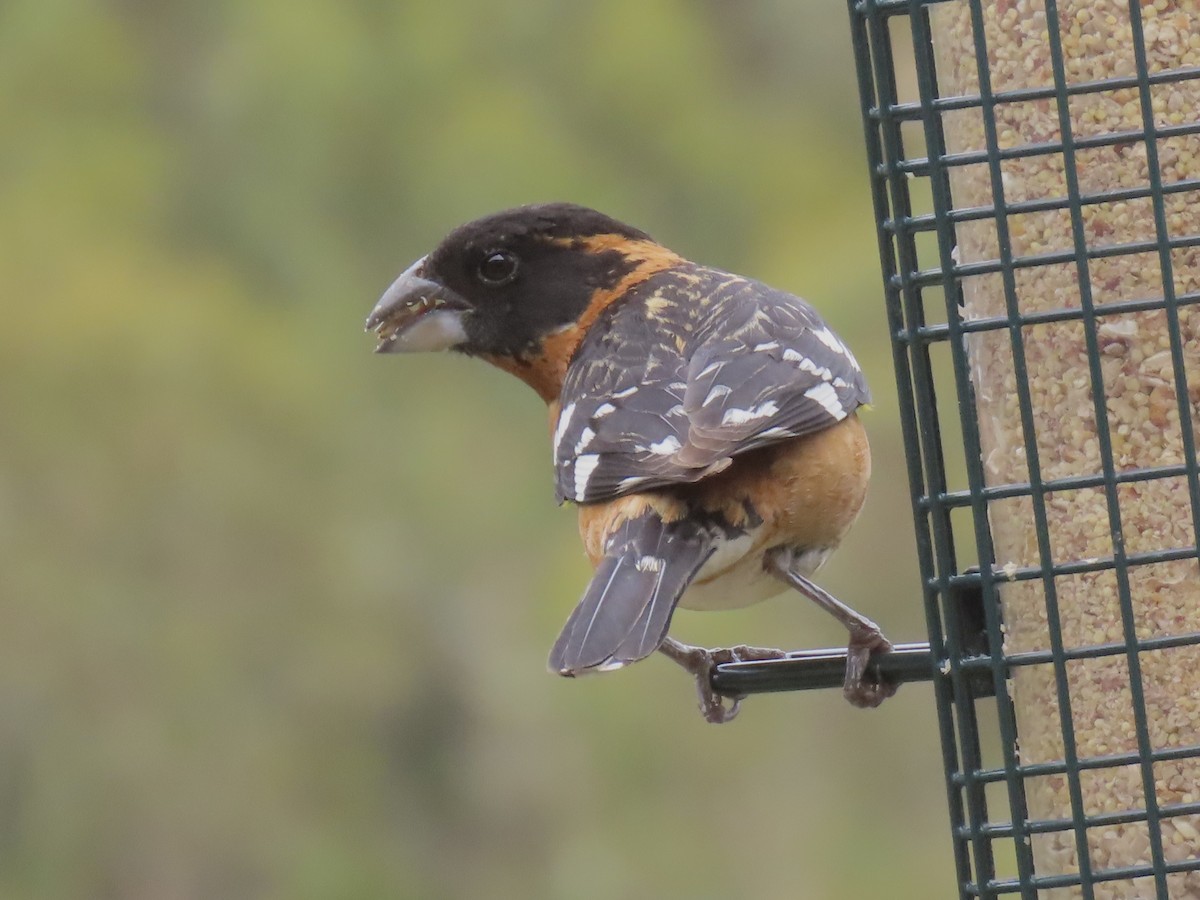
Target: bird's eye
{"x":498,"y":267}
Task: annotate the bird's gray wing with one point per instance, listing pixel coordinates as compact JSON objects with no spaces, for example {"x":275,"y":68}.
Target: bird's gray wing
{"x":696,"y":367}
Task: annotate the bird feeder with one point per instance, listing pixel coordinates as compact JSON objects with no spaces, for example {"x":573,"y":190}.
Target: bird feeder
{"x":1035,"y":168}
{"x":1040,"y":226}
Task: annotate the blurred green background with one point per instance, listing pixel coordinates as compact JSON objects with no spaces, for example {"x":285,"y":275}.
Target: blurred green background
{"x":276,"y":610}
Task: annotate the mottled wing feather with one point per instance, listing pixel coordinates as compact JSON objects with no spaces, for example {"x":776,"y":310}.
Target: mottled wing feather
{"x":772,"y":372}
{"x":621,"y":408}
{"x":694,"y":368}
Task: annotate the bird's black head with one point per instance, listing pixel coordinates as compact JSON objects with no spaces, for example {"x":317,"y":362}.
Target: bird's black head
{"x":500,"y":285}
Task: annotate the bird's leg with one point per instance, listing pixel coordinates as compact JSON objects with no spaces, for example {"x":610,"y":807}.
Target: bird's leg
{"x":865,"y":636}
{"x":701,"y":662}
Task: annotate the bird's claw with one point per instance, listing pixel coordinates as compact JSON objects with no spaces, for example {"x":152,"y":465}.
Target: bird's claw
{"x":859,"y":689}
{"x":700,"y":662}
{"x":712,"y":704}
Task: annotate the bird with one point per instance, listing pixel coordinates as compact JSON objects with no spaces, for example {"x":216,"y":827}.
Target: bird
{"x":705,"y":425}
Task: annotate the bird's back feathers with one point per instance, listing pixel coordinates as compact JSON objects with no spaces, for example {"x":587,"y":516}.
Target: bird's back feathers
{"x":694,"y":367}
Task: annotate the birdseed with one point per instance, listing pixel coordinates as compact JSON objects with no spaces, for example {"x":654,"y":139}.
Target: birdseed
{"x":1139,"y":395}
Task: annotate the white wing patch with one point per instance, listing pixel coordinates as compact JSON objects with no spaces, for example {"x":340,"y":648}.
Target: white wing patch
{"x":830,"y":340}
{"x":564,"y":421}
{"x":807,"y":365}
{"x":584,"y":467}
{"x":834,"y":343}
{"x":742,"y":416}
{"x":584,"y":439}
{"x":649,"y":564}
{"x":717,"y":393}
{"x":668,"y":445}
{"x":825,"y":395}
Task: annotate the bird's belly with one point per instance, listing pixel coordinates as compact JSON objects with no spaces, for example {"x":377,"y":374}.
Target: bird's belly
{"x":734,"y":576}
{"x":739,"y":586}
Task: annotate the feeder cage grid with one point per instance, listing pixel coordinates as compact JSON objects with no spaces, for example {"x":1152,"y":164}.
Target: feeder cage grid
{"x":1035,"y":169}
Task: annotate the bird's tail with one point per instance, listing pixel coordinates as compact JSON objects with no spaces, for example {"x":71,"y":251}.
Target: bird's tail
{"x":626,"y":610}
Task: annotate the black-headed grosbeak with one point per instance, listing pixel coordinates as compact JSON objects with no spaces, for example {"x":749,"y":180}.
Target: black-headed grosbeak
{"x":704,"y":423}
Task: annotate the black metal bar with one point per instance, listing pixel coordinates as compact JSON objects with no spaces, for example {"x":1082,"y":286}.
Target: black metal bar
{"x":1067,"y":483}
{"x":919,"y":409}
{"x":1122,"y":873}
{"x":990,"y":620}
{"x":919,"y":166}
{"x":1172,"y":299}
{"x":1078,"y":566}
{"x":922,"y":278}
{"x":916,"y":397}
{"x":1108,"y":761}
{"x":1108,"y":466}
{"x":1095,"y":820}
{"x":913,"y":111}
{"x":1095,"y":651}
{"x":928,"y":221}
{"x":1032,"y":456}
{"x":810,"y":670}
{"x":939,"y":332}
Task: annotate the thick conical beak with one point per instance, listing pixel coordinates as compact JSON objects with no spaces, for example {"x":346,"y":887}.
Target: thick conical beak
{"x":418,"y":314}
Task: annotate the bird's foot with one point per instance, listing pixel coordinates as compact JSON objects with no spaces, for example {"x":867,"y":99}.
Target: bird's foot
{"x":865,"y":636}
{"x":700,"y":662}
{"x":859,"y":689}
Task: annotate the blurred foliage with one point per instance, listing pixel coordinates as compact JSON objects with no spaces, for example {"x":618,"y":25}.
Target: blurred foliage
{"x":276,"y":610}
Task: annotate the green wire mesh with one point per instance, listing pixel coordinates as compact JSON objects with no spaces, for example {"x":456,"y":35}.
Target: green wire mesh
{"x":919,"y":224}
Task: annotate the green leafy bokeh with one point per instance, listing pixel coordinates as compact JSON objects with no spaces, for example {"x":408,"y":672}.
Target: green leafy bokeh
{"x":275,"y":610}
